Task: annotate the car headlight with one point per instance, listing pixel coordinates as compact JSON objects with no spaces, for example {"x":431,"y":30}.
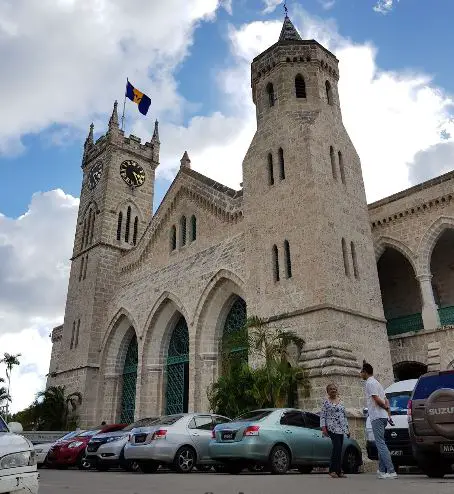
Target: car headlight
{"x":17,"y":460}
{"x":115,"y":438}
{"x":75,"y":444}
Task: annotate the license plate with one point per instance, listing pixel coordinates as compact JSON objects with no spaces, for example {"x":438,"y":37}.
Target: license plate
{"x":396,"y":452}
{"x":447,"y":449}
{"x":228,"y":436}
{"x":140,"y":439}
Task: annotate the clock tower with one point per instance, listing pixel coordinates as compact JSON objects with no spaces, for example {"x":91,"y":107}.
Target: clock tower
{"x":116,"y":205}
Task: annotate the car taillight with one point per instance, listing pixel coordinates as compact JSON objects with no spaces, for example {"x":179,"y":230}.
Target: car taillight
{"x":159,"y":434}
{"x":252,"y":430}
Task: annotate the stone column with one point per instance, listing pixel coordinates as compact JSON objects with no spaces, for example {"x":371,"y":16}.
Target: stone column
{"x":111,"y":393}
{"x":207,"y":377}
{"x":430,"y":317}
{"x":151,"y":393}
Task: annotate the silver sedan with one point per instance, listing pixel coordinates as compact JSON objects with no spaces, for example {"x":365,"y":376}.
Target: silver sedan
{"x":179,"y":441}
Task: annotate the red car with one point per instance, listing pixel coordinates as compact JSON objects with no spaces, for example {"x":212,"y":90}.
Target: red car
{"x":70,"y":453}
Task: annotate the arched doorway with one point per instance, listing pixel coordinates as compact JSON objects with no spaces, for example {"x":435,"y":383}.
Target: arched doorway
{"x":177,"y":388}
{"x":234,"y":322}
{"x":409,"y":370}
{"x":400,"y":293}
{"x":129,"y":379}
{"x":442,"y":269}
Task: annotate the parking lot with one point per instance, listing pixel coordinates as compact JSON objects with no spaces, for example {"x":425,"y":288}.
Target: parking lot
{"x":116,"y":482}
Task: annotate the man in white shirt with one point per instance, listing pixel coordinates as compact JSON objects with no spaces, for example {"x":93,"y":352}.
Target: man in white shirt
{"x":378,"y":409}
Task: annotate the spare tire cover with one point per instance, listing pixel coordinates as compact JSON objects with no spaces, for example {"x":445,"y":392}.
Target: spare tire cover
{"x":440,"y":412}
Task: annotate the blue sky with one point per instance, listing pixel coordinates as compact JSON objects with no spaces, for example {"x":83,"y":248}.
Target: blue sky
{"x":64,"y":62}
{"x":413,"y":36}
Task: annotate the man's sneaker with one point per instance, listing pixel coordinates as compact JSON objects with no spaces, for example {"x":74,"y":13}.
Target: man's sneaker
{"x":382,"y":475}
{"x":392,"y":475}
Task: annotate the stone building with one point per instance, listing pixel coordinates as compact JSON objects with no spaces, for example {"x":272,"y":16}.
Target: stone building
{"x":150,"y":295}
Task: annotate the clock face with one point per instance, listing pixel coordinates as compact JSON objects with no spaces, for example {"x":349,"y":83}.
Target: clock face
{"x":94,"y":175}
{"x":132,"y":173}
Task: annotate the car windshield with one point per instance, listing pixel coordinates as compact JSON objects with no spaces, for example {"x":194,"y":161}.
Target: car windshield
{"x":89,"y":433}
{"x":398,"y":401}
{"x":253,"y":416}
{"x":428,"y":384}
{"x":3,"y":427}
{"x":70,"y":435}
{"x":141,"y":423}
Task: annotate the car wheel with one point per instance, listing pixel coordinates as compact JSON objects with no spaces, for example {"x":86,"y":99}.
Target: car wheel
{"x":306,"y":469}
{"x":83,"y":463}
{"x":184,"y":460}
{"x":350,"y":463}
{"x":149,"y":466}
{"x":279,"y":460}
{"x":234,"y":468}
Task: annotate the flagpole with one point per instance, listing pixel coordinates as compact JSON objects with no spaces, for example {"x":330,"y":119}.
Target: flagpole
{"x":123,"y":116}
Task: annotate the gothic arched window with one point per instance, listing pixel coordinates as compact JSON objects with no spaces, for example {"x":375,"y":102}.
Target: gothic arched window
{"x":270,"y":92}
{"x":173,"y":237}
{"x":128,"y":224}
{"x":270,"y":170}
{"x":183,"y":230}
{"x":275,"y":263}
{"x":281,"y":164}
{"x":345,"y":256}
{"x":288,"y":260}
{"x":120,"y":221}
{"x":341,"y":167}
{"x":333,"y":162}
{"x":329,"y":93}
{"x":193,"y":228}
{"x":136,"y":225}
{"x":300,"y":86}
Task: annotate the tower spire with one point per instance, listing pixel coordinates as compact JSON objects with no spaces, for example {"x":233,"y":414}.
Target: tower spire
{"x":289,"y":32}
{"x":89,"y":140}
{"x":185,"y":161}
{"x":113,"y":122}
{"x":156,"y":131}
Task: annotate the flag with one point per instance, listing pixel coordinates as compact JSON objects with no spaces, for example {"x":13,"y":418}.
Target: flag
{"x":142,"y":100}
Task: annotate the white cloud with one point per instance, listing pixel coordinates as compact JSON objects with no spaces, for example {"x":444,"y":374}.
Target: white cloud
{"x":270,"y":5}
{"x":327,"y":4}
{"x":34,"y":252}
{"x":384,"y":6}
{"x":67,"y":61}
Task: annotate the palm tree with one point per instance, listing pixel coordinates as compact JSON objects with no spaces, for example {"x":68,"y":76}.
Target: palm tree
{"x":52,"y":405}
{"x":10,"y":361}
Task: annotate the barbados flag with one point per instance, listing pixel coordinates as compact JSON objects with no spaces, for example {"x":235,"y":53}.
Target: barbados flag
{"x":142,"y":100}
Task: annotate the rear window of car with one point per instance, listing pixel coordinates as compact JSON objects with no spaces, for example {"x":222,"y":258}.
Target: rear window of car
{"x":141,"y":423}
{"x":253,"y":416}
{"x":398,"y":401}
{"x":427,"y":385}
{"x":168,"y":419}
{"x":89,"y":433}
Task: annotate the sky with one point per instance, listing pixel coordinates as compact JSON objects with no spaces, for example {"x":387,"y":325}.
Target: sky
{"x":64,"y":62}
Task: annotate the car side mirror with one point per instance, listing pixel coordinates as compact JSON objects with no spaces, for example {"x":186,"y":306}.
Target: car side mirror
{"x":15,"y":427}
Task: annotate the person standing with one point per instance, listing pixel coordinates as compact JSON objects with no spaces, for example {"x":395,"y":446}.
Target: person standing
{"x":379,"y":413}
{"x":334,"y":424}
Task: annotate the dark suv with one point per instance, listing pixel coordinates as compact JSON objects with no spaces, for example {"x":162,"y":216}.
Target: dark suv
{"x":431,"y":423}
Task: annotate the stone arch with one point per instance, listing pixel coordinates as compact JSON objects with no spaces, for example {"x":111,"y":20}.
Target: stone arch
{"x":156,"y":336}
{"x":409,"y":369}
{"x":429,"y":240}
{"x":114,"y":348}
{"x":384,"y":242}
{"x":91,"y":204}
{"x":214,"y":305}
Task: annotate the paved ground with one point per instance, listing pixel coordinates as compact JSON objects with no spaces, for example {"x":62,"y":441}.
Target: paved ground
{"x":75,"y":482}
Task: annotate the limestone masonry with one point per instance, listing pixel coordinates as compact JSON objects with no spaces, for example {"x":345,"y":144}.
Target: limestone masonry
{"x":150,"y":296}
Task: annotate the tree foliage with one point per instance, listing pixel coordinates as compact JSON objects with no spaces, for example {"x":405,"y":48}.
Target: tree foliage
{"x":270,"y":382}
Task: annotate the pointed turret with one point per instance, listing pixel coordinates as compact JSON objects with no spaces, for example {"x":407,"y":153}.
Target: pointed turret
{"x":113,"y":122}
{"x":89,"y":140}
{"x":156,"y":132}
{"x":289,"y":32}
{"x":185,"y":161}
